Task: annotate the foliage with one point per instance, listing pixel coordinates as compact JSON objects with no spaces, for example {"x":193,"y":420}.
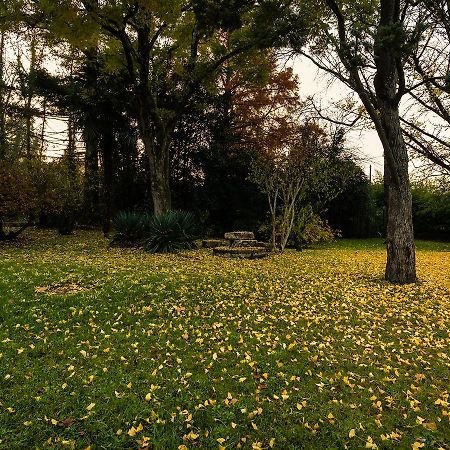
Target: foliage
{"x":310,"y":228}
{"x":131,"y":227}
{"x":168,"y":50}
{"x":353,"y":210}
{"x":69,"y":185}
{"x":431,"y":210}
{"x":113,"y":348}
{"x":171,"y":231}
{"x":310,"y":169}
{"x":17,"y":193}
{"x":430,"y":205}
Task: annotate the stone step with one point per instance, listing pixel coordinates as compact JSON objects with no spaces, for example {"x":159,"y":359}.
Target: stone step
{"x":241,"y":252}
{"x":246,"y":243}
{"x":234,"y":235}
{"x":211,"y":243}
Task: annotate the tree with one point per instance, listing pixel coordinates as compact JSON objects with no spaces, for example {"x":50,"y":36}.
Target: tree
{"x":283,"y":173}
{"x":169,"y":49}
{"x":365,"y":45}
{"x":426,"y":121}
{"x":256,"y":105}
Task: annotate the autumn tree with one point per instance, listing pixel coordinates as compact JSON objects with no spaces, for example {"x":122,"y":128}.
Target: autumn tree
{"x":170,"y":48}
{"x":365,"y":45}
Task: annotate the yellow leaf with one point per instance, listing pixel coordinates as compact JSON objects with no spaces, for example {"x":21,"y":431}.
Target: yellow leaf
{"x":430,"y":426}
{"x":272,"y":443}
{"x":352,"y":433}
{"x":90,"y":406}
{"x":417,"y":445}
{"x":192,"y":436}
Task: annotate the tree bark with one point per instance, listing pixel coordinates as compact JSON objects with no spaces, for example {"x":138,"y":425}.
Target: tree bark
{"x":156,"y":138}
{"x":91,"y":177}
{"x":400,"y":265}
{"x":2,"y":231}
{"x":158,"y":158}
{"x":107,"y":154}
{"x":2,"y":98}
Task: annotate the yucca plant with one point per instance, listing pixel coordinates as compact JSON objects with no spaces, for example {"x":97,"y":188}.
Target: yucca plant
{"x":130,"y":227}
{"x":171,"y":231}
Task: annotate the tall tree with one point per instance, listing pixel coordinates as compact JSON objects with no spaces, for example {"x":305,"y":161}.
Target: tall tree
{"x":365,"y":46}
{"x":169,"y":49}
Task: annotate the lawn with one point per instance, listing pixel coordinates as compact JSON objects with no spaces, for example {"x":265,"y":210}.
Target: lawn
{"x":112,"y":349}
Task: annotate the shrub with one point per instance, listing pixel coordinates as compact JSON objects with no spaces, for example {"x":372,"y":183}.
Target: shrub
{"x":131,"y":227}
{"x":310,"y":228}
{"x":171,"y":231}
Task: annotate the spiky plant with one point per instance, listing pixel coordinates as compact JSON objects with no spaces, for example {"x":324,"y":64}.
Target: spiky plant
{"x":130,"y":227}
{"x":171,"y":231}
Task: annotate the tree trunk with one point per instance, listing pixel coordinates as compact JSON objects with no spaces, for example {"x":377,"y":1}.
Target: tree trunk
{"x":29,"y":100}
{"x":389,"y":83}
{"x":2,"y":98}
{"x":400,"y":265}
{"x":107,"y":153}
{"x":154,"y":129}
{"x":159,"y":176}
{"x":91,"y":194}
{"x":2,"y":231}
{"x":157,"y":150}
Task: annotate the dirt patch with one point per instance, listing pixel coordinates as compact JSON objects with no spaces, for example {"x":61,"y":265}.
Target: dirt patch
{"x":60,"y":289}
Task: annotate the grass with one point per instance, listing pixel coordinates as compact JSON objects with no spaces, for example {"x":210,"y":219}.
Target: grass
{"x":114,"y":349}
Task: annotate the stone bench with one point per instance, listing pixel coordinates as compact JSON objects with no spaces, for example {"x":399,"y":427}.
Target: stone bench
{"x":241,"y":252}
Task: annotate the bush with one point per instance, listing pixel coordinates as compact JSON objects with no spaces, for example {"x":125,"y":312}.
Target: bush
{"x":131,"y":227}
{"x":171,"y":231}
{"x":311,"y":229}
